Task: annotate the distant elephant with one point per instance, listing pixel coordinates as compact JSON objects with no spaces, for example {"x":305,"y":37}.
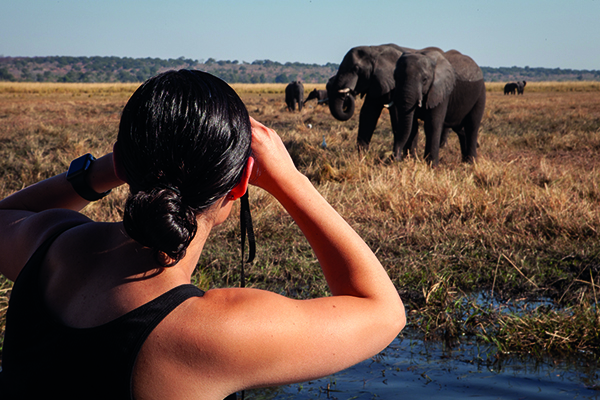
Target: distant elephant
{"x":521,"y":87}
{"x":294,"y":94}
{"x":511,"y":88}
{"x":443,"y":89}
{"x":367,"y":71}
{"x":320,"y":95}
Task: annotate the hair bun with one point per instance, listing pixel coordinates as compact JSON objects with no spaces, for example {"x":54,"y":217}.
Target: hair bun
{"x":160,"y":220}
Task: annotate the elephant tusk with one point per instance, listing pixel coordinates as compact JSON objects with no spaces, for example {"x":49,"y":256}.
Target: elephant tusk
{"x":388,"y":105}
{"x":346,"y":90}
{"x":420,"y":103}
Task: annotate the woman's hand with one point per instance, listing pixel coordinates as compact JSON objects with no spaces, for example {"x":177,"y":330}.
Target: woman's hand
{"x":273,"y":165}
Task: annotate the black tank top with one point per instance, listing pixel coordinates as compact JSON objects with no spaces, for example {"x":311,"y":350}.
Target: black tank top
{"x":44,"y":358}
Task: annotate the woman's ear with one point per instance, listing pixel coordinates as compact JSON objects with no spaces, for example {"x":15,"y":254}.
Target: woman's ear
{"x":117,"y":164}
{"x":240,"y":189}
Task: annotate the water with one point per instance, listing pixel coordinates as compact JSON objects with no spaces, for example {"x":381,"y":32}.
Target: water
{"x":412,"y":369}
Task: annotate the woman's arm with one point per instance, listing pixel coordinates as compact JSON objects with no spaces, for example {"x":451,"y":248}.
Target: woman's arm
{"x":30,"y":215}
{"x":274,"y":340}
{"x":57,"y":192}
{"x":349,"y":265}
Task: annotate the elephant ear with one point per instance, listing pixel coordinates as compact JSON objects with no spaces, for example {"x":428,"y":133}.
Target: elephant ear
{"x":444,"y":79}
{"x":382,"y":79}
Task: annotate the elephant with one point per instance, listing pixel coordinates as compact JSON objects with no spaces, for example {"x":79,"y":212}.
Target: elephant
{"x":294,"y":94}
{"x":446,"y":90}
{"x":367,"y":71}
{"x":320,"y":95}
{"x":510,"y":88}
{"x":521,"y":87}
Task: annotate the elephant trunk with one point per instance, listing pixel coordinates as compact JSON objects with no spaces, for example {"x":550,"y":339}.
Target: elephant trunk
{"x":408,"y":97}
{"x":341,"y":98}
{"x":405,"y":136}
{"x":341,"y":104}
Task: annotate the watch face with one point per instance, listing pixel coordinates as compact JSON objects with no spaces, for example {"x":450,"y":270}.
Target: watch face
{"x":79,"y":165}
{"x":76,"y":175}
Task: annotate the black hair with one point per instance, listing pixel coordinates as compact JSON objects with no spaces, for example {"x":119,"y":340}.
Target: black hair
{"x":183,"y":143}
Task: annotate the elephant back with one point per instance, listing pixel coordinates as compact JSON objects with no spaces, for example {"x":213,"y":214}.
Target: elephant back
{"x":465,"y":68}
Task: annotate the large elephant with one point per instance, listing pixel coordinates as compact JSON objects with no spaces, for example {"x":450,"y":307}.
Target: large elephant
{"x":445,"y":90}
{"x":294,"y":94}
{"x":521,"y":87}
{"x":367,"y":71}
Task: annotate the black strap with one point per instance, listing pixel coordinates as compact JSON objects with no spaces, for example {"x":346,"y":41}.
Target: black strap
{"x":247,"y":229}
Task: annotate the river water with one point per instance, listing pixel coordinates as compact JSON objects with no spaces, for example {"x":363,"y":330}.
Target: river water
{"x":413,"y":369}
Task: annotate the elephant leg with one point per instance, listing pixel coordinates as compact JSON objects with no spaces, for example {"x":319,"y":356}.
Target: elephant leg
{"x":433,"y":133}
{"x":369,"y":115}
{"x":462,"y":138}
{"x":444,"y":137}
{"x":471,"y":131}
{"x":469,"y":141}
{"x":405,"y":144}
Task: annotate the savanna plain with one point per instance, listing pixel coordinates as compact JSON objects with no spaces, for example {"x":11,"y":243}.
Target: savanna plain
{"x":505,"y":251}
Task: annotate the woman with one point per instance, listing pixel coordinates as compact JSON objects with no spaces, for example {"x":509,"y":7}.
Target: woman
{"x":106,"y":310}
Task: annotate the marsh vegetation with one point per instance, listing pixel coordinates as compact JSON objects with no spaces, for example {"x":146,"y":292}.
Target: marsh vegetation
{"x":506,"y":250}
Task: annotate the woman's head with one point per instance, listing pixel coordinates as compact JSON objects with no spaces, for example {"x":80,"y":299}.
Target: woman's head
{"x":184,"y":140}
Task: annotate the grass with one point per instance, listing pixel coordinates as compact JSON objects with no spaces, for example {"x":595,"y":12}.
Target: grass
{"x":521,"y":224}
{"x":544,"y":87}
{"x":66,"y":88}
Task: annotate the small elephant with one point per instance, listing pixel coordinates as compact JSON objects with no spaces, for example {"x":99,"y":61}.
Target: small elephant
{"x":445,"y":90}
{"x":511,"y":88}
{"x":320,"y":95}
{"x":294,"y":94}
{"x":521,"y":87}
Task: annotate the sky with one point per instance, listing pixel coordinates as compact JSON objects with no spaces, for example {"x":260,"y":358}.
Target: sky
{"x":535,"y":33}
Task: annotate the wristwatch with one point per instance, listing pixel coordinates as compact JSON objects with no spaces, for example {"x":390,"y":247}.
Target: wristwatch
{"x":77,"y":173}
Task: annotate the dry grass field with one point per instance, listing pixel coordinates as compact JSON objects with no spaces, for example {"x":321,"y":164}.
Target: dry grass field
{"x":521,"y":224}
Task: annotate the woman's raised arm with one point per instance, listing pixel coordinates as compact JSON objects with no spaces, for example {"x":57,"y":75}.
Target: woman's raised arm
{"x":348,"y":263}
{"x":281,"y":340}
{"x":30,"y":215}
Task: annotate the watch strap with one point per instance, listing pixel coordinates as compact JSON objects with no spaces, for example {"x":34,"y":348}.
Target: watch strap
{"x":77,"y":174}
{"x":85,"y":191}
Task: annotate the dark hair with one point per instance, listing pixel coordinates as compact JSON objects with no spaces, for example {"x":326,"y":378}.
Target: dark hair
{"x":184,"y":140}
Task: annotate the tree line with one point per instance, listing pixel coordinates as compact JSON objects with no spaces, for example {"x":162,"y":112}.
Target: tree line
{"x":506,"y":74}
{"x":126,"y":69}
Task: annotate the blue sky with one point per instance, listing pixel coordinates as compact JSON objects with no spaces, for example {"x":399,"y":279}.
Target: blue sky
{"x":534,"y":33}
